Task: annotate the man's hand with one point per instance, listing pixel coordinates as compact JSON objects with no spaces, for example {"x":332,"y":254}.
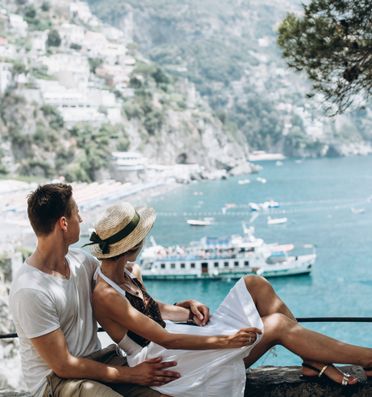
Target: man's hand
{"x":200,"y":312}
{"x":152,"y":372}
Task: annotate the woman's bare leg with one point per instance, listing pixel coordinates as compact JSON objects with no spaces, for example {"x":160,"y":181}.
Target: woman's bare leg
{"x":311,"y":346}
{"x":268,"y":302}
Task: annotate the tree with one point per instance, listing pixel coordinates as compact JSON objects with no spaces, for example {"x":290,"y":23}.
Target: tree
{"x":54,"y":39}
{"x":332,"y":43}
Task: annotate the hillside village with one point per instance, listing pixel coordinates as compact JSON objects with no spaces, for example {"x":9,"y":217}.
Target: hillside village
{"x":80,"y":86}
{"x":62,"y":78}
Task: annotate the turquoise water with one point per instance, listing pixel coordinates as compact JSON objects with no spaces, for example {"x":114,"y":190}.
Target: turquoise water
{"x":316,"y":196}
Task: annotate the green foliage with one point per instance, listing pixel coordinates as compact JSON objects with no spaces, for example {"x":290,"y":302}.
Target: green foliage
{"x":45,"y":6}
{"x":75,"y":46}
{"x":40,"y":72}
{"x":123,"y":144}
{"x":35,"y":21}
{"x":153,"y":121}
{"x":53,"y":116}
{"x":332,"y":44}
{"x":94,"y":63}
{"x":29,"y":13}
{"x":18,"y":68}
{"x":35,"y":167}
{"x":3,"y":170}
{"x":94,"y":145}
{"x":54,"y":39}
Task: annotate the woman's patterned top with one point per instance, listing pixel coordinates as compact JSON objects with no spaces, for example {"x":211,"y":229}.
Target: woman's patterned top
{"x":146,"y":306}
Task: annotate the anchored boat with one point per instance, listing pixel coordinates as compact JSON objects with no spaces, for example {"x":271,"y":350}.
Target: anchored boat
{"x":225,"y":258}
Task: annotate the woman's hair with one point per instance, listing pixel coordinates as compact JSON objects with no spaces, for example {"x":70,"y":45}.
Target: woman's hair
{"x":47,"y":204}
{"x":130,"y":252}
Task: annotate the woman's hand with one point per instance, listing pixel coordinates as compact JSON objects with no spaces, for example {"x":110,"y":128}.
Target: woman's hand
{"x":199,"y":312}
{"x":244,"y":337}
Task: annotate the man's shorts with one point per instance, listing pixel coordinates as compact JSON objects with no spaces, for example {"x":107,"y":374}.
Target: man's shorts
{"x":58,"y":387}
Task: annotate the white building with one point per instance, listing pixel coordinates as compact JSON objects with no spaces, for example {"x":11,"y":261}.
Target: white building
{"x":18,"y":25}
{"x":128,"y":166}
{"x":113,"y":34}
{"x":7,"y":51}
{"x":71,"y":70}
{"x":76,"y":106}
{"x":38,"y":42}
{"x":71,"y":33}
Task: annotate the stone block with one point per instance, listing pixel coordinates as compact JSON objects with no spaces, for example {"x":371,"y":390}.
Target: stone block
{"x":287,"y":382}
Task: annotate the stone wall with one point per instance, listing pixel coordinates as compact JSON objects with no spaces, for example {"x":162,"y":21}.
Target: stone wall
{"x":285,"y":382}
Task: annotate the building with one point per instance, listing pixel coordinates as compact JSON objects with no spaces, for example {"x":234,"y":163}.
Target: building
{"x":128,"y":166}
{"x":18,"y":25}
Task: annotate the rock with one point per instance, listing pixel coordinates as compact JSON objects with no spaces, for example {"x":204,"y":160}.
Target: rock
{"x":286,"y":382}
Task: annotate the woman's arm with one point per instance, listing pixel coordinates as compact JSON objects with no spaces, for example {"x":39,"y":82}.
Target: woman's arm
{"x":181,"y":311}
{"x":110,"y":307}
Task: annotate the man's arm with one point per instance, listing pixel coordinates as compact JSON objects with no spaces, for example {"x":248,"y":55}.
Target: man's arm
{"x":53,"y":350}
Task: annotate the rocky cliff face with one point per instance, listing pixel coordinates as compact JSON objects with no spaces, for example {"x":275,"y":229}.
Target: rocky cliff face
{"x":228,"y":50}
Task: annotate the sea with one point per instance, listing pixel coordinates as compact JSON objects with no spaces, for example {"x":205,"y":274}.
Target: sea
{"x":327,"y":203}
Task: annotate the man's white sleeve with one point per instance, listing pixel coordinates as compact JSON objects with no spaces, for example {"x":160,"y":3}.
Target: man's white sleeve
{"x":34,"y":313}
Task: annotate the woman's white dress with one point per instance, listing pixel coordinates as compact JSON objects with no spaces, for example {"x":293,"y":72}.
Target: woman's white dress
{"x":204,"y":373}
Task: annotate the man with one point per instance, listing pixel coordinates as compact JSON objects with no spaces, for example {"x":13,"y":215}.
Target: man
{"x":50,"y":301}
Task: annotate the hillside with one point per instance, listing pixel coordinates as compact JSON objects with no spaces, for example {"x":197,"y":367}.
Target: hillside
{"x":228,"y":50}
{"x":73,"y":90}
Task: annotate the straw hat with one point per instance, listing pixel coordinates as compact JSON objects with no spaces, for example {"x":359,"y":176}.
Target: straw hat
{"x":120,"y":229}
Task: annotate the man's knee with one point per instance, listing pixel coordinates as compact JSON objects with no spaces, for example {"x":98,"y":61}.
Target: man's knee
{"x":91,"y":388}
{"x":82,"y":388}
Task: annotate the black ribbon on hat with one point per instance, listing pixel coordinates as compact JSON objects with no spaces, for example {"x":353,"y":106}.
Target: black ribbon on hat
{"x":104,"y":245}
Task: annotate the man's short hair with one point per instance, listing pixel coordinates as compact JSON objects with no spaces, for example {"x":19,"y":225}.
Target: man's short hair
{"x":47,"y":204}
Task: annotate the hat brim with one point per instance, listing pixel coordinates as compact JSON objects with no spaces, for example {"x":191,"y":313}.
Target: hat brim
{"x":145,"y":224}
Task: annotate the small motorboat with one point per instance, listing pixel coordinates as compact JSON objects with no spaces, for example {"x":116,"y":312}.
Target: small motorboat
{"x":358,"y":210}
{"x":200,"y":222}
{"x":276,"y":221}
{"x":244,"y":181}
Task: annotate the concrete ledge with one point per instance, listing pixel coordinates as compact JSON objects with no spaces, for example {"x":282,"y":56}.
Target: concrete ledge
{"x":287,"y":382}
{"x":284,"y":382}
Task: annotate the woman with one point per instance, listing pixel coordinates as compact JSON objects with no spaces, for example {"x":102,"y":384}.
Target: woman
{"x":231,"y":339}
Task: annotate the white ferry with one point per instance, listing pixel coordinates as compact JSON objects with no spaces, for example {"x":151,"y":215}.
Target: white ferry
{"x":224,"y":258}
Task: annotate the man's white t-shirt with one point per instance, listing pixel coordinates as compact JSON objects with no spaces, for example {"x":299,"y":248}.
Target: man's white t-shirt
{"x":41,"y":303}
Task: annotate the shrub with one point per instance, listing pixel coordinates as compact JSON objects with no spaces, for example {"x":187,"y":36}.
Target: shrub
{"x":54,"y":39}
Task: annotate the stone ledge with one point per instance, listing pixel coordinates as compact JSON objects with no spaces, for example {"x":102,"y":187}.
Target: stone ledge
{"x":270,"y":381}
{"x":284,"y":382}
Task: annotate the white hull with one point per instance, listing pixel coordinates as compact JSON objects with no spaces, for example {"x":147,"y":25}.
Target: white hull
{"x":224,"y":268}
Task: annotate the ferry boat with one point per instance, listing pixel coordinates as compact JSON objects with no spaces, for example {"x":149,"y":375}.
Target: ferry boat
{"x":224,"y":258}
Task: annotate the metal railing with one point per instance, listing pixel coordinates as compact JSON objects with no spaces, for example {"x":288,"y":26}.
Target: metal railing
{"x":299,"y":319}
